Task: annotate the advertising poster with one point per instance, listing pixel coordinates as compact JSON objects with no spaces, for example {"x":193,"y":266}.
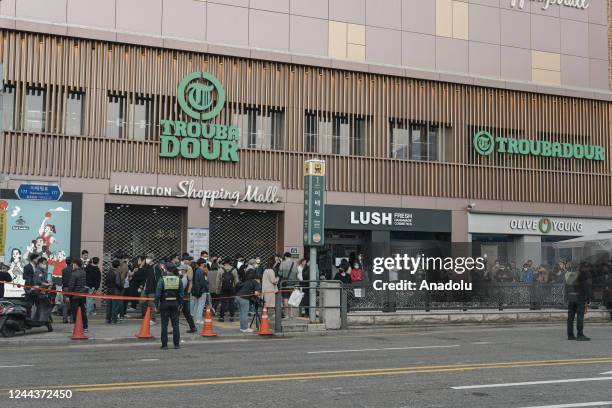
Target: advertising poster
{"x":41,"y":227}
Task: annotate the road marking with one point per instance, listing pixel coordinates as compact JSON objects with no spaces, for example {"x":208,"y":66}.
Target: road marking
{"x":606,"y":373}
{"x":482,"y":342}
{"x":117,"y":386}
{"x":17,"y":366}
{"x":520,"y":384}
{"x":382,"y":349}
{"x":149,"y":359}
{"x":579,"y":404}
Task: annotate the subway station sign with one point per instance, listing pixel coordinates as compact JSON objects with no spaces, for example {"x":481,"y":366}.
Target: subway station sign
{"x":198,"y":138}
{"x":486,"y":144}
{"x":314,"y":202}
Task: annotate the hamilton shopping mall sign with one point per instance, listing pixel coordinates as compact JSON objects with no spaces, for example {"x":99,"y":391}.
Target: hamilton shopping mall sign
{"x":201,"y":97}
{"x":486,"y":144}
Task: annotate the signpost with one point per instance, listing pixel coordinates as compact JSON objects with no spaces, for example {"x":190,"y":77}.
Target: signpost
{"x":314,"y":221}
{"x":49,"y":192}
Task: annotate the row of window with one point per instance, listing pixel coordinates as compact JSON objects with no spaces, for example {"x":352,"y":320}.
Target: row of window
{"x":132,"y":118}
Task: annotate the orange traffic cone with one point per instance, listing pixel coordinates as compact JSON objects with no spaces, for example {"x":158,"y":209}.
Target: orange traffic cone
{"x":264,"y":327}
{"x":207,"y":329}
{"x":77,"y":332}
{"x":145,"y":327}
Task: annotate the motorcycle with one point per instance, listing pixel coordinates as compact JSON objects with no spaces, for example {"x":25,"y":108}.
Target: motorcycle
{"x":16,"y":314}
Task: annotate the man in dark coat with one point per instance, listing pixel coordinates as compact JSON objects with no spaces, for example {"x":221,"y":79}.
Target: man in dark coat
{"x":66,"y":274}
{"x":28,"y":270}
{"x":93,"y":277}
{"x":579,"y":292}
{"x":77,"y":283}
{"x":4,"y":276}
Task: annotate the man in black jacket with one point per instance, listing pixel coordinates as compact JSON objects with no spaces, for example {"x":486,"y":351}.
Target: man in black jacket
{"x":150,"y":285}
{"x":28,"y":270}
{"x":93,"y":277}
{"x":77,"y":284}
{"x":113,"y":287}
{"x":578,"y":291}
{"x":66,"y":273}
{"x":4,"y":276}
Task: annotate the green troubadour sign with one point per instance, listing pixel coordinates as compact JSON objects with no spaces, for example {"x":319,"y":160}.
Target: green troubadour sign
{"x":485,"y":144}
{"x":197,"y":138}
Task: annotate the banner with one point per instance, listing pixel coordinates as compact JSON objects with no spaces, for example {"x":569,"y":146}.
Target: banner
{"x":40,"y":227}
{"x":197,"y":241}
{"x":314,"y":202}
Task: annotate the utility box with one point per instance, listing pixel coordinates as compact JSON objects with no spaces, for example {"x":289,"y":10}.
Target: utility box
{"x":330,"y":299}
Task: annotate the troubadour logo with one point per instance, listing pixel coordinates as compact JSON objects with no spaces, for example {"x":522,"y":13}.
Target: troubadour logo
{"x":201,"y":96}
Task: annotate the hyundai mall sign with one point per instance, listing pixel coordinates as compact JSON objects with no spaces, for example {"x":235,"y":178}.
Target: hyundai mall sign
{"x":193,"y":139}
{"x":579,"y":4}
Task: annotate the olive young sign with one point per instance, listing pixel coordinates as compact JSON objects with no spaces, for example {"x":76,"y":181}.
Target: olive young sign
{"x":193,"y":139}
{"x":485,"y":144}
{"x":579,"y":4}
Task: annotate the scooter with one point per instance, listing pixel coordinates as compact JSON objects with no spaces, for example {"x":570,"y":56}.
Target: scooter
{"x":16,"y":314}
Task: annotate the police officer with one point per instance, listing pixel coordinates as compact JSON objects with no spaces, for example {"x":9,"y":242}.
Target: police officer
{"x":168,"y":297}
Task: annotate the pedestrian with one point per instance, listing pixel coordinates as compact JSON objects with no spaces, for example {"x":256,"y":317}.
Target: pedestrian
{"x":113,"y":288}
{"x":85,"y":258}
{"x":356,"y":273}
{"x":77,"y":284}
{"x":168,"y":296}
{"x":93,"y":278}
{"x":183,"y":270}
{"x":124,"y":274}
{"x":199,"y":292}
{"x":150,"y":283}
{"x":28,"y":270}
{"x":213,"y":275}
{"x":579,"y":292}
{"x":5,"y":276}
{"x":269,"y":284}
{"x":204,"y":257}
{"x":246,"y":293}
{"x":342,"y":275}
{"x":226,"y":288}
{"x":288,"y":279}
{"x":66,"y":274}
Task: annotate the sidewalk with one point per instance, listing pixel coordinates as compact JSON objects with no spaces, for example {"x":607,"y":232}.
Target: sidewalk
{"x":123,"y":332}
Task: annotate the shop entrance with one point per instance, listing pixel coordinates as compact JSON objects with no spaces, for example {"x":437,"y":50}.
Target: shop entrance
{"x":339,"y":245}
{"x":249,"y":233}
{"x":140,"y":229}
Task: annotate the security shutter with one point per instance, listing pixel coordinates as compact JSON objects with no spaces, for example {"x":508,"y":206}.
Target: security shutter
{"x":249,"y":233}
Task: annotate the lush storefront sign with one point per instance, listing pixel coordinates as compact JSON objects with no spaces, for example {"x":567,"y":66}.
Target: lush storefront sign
{"x":187,"y":189}
{"x":196,"y":138}
{"x":485,"y":144}
{"x":579,"y":4}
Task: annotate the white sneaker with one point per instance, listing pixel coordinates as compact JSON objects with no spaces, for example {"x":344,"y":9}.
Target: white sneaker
{"x":152,"y":322}
{"x":249,"y":330}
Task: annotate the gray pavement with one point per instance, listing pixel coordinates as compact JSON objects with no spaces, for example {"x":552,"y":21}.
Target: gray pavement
{"x":417,"y":367}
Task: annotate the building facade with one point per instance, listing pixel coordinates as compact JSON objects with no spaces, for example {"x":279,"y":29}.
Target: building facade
{"x":439,"y":121}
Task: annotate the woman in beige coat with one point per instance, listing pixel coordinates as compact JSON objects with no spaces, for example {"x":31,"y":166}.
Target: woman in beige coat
{"x":269,"y":283}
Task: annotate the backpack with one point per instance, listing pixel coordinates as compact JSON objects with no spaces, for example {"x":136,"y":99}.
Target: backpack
{"x":197,"y":289}
{"x":571,"y":278}
{"x":227,"y":281}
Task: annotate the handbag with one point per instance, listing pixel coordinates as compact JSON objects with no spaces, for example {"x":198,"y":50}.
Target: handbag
{"x":296,"y":298}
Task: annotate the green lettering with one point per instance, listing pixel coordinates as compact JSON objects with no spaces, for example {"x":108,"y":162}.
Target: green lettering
{"x":205,"y":149}
{"x":229,"y":151}
{"x":599,"y":153}
{"x":221,"y":132}
{"x":535,"y":147}
{"x":234,"y":133}
{"x":512,"y":146}
{"x":546,"y":152}
{"x":523,"y":146}
{"x":180,"y":128}
{"x":556,"y":150}
{"x":578,"y":151}
{"x":166,"y":142}
{"x":190,"y":148}
{"x":589,"y":152}
{"x":501,"y":144}
{"x":193,"y":129}
{"x":568,"y":150}
{"x":167,"y":124}
{"x":208,"y":130}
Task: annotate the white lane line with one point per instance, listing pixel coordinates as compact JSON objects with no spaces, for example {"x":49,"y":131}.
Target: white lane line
{"x":149,"y":359}
{"x":578,"y":404}
{"x":519,"y":384}
{"x":17,"y":366}
{"x":482,"y":342}
{"x":606,"y":373}
{"x":382,"y":349}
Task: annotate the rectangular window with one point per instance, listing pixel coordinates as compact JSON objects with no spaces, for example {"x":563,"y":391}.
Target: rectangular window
{"x":35,"y":110}
{"x":260,"y":131}
{"x":334,"y":134}
{"x":74,"y":113}
{"x":416,"y":141}
{"x":115,"y":116}
{"x":140,"y":119}
{"x":7,"y":107}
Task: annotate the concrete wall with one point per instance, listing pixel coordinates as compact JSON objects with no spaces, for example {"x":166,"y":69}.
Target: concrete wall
{"x":489,"y":39}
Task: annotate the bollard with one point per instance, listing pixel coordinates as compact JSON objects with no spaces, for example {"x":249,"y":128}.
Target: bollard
{"x":278,"y":313}
{"x":343,"y":308}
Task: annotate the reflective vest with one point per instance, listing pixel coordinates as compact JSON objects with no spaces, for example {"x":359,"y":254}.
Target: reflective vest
{"x":171,"y":288}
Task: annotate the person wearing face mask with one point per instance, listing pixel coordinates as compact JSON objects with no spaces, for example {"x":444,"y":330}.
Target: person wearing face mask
{"x":356,"y":273}
{"x":342,"y":274}
{"x":150,"y":285}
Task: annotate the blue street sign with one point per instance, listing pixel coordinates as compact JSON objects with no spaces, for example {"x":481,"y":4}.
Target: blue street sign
{"x":38,"y":192}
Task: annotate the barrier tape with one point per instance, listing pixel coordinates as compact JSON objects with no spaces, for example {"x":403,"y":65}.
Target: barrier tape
{"x":119,"y":297}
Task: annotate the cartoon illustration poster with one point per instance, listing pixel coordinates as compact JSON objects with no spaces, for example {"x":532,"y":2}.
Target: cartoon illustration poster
{"x":31,"y":226}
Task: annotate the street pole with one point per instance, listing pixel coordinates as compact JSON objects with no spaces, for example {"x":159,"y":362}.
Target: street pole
{"x":314,"y":282}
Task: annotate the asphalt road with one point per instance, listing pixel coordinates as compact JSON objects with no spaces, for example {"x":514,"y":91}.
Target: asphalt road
{"x":443,"y":367}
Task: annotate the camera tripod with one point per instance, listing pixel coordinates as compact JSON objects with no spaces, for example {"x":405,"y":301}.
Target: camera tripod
{"x":256,"y":317}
